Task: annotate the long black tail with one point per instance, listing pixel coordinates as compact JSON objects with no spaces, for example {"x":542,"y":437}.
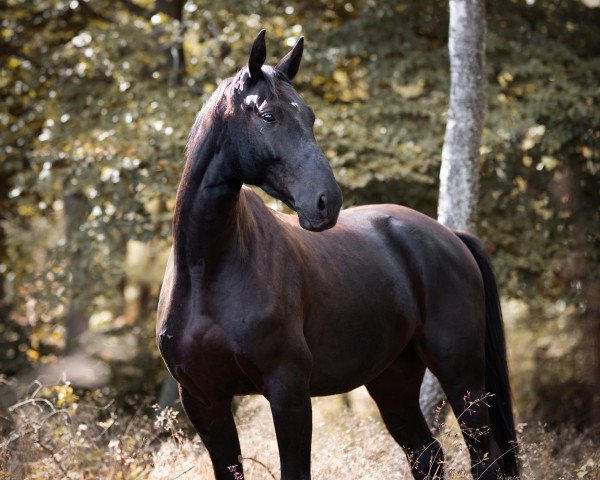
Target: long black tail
{"x":496,"y":368}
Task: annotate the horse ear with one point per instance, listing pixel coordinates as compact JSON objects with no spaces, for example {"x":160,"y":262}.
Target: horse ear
{"x":291,"y":62}
{"x":258,"y":55}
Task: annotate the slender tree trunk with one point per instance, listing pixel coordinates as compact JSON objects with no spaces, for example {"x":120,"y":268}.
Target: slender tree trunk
{"x":4,"y":207}
{"x":459,"y":174}
{"x":174,"y":53}
{"x":175,"y":60}
{"x":3,"y":262}
{"x":76,"y":321}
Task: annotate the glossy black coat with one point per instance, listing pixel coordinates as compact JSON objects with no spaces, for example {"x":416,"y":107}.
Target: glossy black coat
{"x":255,"y":301}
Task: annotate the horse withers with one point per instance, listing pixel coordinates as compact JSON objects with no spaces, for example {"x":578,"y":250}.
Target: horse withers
{"x":256,"y":302}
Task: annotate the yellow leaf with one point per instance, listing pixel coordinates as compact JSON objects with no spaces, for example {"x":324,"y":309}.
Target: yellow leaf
{"x":13,"y":62}
{"x":341,"y":77}
{"x":26,"y":210}
{"x":318,"y":81}
{"x":411,"y":91}
{"x":550,"y":163}
{"x":521,"y":184}
{"x":33,"y":355}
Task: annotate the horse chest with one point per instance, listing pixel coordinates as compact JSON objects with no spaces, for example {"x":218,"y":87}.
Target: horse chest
{"x":202,"y":359}
{"x":212,"y":325}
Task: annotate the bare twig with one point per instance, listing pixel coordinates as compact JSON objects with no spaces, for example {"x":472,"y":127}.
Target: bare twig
{"x":121,"y":458}
{"x":183,"y":473}
{"x":262,"y":465}
{"x":33,"y":401}
{"x":137,"y":9}
{"x":512,"y":449}
{"x":51,"y":452}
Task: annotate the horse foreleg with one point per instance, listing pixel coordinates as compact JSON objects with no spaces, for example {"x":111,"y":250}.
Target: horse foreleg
{"x":289,"y":397}
{"x":214,"y":423}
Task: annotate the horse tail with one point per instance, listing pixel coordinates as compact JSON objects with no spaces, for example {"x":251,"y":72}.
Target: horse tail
{"x":496,"y":367}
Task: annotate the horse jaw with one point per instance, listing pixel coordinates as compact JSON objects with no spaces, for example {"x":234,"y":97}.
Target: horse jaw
{"x":312,"y":224}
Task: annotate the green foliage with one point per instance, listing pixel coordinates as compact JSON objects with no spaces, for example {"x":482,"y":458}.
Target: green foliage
{"x":93,"y":125}
{"x":542,"y":148}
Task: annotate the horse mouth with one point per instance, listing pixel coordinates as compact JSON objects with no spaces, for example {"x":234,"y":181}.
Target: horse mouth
{"x":316,"y":225}
{"x":312,"y":224}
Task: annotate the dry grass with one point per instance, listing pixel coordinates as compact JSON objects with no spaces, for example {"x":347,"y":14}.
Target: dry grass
{"x":56,"y":436}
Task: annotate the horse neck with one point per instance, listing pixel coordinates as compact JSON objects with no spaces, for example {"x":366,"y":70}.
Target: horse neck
{"x":207,"y":209}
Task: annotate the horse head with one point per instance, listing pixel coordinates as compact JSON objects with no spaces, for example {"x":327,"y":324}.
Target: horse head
{"x":271,"y":130}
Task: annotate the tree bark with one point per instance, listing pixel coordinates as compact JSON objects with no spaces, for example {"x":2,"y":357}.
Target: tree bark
{"x":175,"y":55}
{"x":5,"y":206}
{"x":459,"y":173}
{"x":76,"y":321}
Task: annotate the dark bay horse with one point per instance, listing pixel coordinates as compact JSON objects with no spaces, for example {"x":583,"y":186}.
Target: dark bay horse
{"x":254,"y":301}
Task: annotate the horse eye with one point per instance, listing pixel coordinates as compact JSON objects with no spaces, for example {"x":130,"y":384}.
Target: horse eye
{"x":268,"y":117}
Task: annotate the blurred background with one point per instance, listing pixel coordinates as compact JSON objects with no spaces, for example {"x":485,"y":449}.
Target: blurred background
{"x":97,"y":99}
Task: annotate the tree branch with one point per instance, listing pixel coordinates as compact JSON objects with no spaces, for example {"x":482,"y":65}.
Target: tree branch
{"x":137,"y":9}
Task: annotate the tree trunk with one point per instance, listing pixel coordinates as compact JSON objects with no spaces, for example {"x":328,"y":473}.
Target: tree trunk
{"x":76,"y":322}
{"x":3,"y":262}
{"x":4,"y":207}
{"x":459,"y":174}
{"x":175,"y":58}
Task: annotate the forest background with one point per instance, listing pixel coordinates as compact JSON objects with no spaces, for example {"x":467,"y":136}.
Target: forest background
{"x":98,"y":98}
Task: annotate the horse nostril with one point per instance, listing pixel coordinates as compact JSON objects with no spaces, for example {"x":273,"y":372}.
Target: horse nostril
{"x":322,"y":203}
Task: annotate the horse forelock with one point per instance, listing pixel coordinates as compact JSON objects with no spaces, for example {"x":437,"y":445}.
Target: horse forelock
{"x":272,"y":84}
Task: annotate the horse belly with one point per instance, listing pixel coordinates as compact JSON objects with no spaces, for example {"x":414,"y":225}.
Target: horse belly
{"x":354,"y":337}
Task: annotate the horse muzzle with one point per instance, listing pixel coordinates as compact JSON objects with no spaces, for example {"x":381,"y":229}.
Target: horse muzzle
{"x":321,"y":214}
{"x":313,"y":194}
